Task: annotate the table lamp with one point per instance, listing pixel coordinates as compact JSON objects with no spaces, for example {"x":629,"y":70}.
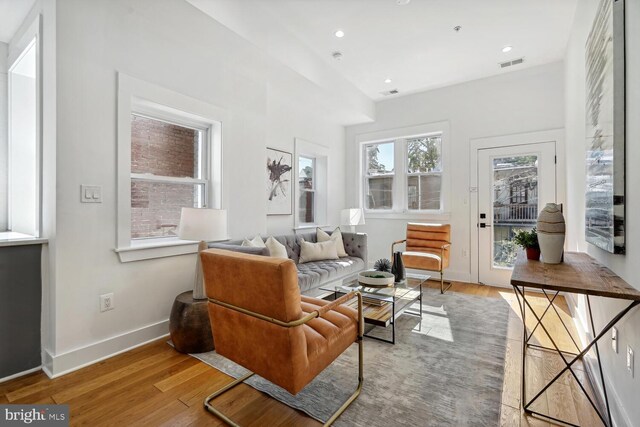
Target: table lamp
{"x":352,"y":217}
{"x":204,"y":225}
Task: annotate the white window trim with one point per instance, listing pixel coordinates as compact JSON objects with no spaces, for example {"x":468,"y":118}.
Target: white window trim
{"x":137,"y":96}
{"x":399,"y":210}
{"x":320,"y":154}
{"x":29,"y":34}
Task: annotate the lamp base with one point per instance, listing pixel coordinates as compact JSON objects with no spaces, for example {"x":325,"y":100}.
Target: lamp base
{"x":189,"y":324}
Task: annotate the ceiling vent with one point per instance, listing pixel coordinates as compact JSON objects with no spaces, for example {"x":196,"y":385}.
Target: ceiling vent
{"x":389,"y":92}
{"x":510,"y":63}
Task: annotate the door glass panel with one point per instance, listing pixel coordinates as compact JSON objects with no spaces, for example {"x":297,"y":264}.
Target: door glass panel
{"x":515,"y":204}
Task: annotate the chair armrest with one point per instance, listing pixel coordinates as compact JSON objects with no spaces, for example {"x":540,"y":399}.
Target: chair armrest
{"x":336,"y":302}
{"x":397,"y":242}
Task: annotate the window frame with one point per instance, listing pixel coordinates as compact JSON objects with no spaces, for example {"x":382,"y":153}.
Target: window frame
{"x":400,"y":186}
{"x":366,"y":177}
{"x":312,"y":190}
{"x":146,"y":99}
{"x":320,"y":154}
{"x":421,"y":174}
{"x":203,"y":163}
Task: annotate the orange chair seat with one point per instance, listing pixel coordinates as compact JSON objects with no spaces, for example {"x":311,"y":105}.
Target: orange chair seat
{"x":421,"y":260}
{"x":330,"y":335}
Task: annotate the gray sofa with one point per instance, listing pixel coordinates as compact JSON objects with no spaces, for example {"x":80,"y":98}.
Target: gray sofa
{"x":313,"y":275}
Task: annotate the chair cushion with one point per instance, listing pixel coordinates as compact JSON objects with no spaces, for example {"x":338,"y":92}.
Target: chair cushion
{"x":421,"y":260}
{"x":327,"y":336}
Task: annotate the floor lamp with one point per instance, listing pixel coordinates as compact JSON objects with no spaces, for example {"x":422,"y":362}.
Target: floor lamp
{"x":189,"y":321}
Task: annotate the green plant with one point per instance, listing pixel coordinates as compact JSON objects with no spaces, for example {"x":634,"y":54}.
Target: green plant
{"x":527,"y":239}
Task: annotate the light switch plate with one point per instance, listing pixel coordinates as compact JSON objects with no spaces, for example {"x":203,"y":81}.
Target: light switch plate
{"x":90,"y":194}
{"x":630,"y":360}
{"x":614,"y":339}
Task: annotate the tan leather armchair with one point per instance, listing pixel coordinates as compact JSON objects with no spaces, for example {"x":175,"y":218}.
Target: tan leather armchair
{"x":427,"y":247}
{"x":260,"y":321}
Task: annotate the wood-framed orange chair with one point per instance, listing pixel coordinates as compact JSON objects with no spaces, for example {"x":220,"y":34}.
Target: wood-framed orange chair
{"x":260,"y":321}
{"x":427,"y":247}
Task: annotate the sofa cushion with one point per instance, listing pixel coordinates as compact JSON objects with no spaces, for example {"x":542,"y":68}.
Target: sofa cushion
{"x":276,"y":249}
{"x":317,"y":251}
{"x":242,"y":249}
{"x":335,"y":236}
{"x":311,"y":274}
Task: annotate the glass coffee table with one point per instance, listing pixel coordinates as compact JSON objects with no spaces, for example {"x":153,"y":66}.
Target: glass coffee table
{"x":382,"y":306}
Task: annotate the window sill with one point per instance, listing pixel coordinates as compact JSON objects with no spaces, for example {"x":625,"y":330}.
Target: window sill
{"x":432,"y":216}
{"x":309,"y":227}
{"x":10,"y":238}
{"x":156,"y":248}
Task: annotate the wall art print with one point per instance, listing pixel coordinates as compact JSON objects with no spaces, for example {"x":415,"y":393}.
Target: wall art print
{"x":605,"y":130}
{"x":279,"y":182}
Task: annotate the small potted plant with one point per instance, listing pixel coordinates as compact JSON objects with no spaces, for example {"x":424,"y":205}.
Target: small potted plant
{"x":529,"y":241}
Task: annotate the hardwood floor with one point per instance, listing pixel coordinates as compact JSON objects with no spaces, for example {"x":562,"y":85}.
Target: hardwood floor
{"x":155,"y":385}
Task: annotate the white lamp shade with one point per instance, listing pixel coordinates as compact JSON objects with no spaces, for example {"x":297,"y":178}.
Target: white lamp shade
{"x":351,"y":217}
{"x":203,"y":224}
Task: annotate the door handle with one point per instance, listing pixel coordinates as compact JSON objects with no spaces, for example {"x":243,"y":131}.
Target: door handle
{"x":484,"y":225}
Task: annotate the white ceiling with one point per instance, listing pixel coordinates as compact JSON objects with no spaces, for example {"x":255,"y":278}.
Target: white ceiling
{"x":415,"y":45}
{"x":12,"y":13}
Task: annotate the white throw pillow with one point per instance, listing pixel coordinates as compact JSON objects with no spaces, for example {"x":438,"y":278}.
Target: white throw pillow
{"x":317,"y":251}
{"x":276,"y":249}
{"x":336,"y":237}
{"x":256,"y":242}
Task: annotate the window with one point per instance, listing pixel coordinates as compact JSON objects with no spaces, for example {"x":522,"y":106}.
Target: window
{"x":379,"y":175}
{"x":306,"y":184}
{"x":424,"y":173}
{"x":168,"y":172}
{"x":313,"y":184}
{"x":169,"y":157}
{"x":406,"y":174}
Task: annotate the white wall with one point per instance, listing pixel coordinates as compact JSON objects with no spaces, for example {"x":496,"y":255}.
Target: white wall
{"x":626,"y":390}
{"x":3,"y":135}
{"x":516,"y":102}
{"x":173,"y":45}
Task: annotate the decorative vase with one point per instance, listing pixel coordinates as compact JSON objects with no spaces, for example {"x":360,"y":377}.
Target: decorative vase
{"x":551,"y":231}
{"x":533,"y":254}
{"x":398,"y":267}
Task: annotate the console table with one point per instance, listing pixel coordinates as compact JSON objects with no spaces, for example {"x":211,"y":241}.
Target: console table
{"x":578,"y":274}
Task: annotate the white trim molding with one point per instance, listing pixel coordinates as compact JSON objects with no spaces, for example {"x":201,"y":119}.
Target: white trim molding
{"x":138,"y":96}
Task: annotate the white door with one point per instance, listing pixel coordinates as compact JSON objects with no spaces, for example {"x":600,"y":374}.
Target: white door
{"x":514,"y":184}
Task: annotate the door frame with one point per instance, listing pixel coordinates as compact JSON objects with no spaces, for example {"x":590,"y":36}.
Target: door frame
{"x":553,"y":135}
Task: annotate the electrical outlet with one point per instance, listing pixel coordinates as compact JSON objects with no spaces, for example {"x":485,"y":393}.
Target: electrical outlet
{"x":630,"y":360}
{"x":106,"y":302}
{"x":464,"y":252}
{"x":614,"y":339}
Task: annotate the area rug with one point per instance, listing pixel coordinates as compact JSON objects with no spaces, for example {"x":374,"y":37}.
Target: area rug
{"x":444,"y":370}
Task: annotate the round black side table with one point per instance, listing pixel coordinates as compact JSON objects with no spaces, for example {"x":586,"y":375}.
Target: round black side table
{"x":189,"y":325}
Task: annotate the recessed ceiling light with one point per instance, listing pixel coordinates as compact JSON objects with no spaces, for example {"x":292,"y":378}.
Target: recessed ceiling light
{"x":339,"y":34}
{"x":507,"y":49}
{"x":402,"y":2}
{"x":387,"y":80}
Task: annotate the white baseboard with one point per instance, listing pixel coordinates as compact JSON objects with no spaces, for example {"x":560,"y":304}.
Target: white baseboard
{"x":20,"y":374}
{"x":618,"y":413}
{"x":64,"y":363}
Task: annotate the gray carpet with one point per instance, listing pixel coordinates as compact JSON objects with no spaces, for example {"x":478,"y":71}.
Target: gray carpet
{"x":446,"y":370}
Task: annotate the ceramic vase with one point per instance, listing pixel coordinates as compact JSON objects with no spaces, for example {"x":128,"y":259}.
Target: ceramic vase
{"x":398,"y":267}
{"x":551,"y":231}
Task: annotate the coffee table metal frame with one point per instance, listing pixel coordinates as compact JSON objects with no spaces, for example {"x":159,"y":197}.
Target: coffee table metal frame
{"x":396,"y":309}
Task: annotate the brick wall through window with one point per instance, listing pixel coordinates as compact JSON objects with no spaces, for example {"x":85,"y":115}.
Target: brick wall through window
{"x":161,"y":149}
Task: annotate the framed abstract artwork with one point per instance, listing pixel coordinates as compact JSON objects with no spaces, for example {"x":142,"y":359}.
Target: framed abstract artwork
{"x":605,"y":129}
{"x":279,"y":182}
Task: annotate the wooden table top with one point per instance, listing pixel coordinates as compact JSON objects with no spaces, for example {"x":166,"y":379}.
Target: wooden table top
{"x":579,"y":273}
